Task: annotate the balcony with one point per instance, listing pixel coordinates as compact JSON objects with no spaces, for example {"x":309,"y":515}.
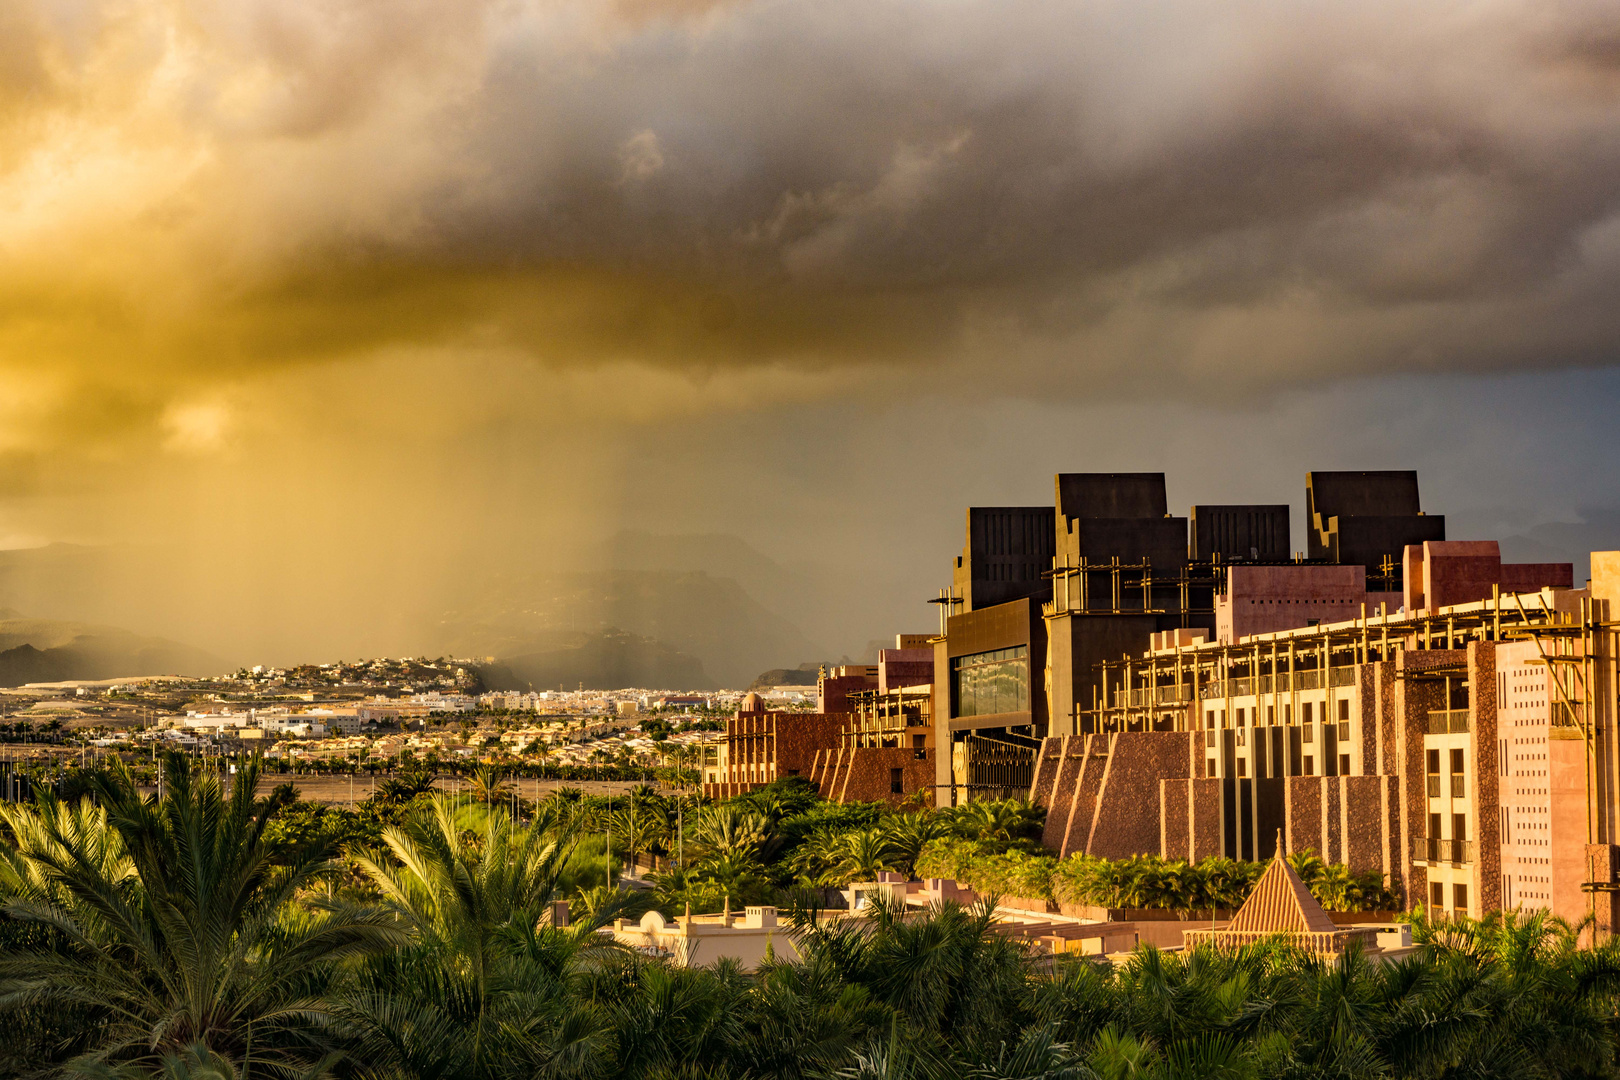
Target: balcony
{"x":1447,"y":721}
{"x":1434,"y":785}
{"x":1429,"y":850}
{"x":1459,"y":787}
{"x":1563,"y":716}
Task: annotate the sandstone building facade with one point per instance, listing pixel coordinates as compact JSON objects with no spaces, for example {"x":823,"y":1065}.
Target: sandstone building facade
{"x":1465,"y":751}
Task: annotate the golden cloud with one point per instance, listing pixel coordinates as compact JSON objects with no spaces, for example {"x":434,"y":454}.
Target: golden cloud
{"x":1029,"y":200}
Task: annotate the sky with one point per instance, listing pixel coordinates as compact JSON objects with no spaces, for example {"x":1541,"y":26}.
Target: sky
{"x":348,"y":299}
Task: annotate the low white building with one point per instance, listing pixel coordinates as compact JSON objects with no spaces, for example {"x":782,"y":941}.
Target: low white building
{"x":437,"y":702}
{"x":342,"y":721}
{"x":703,"y":940}
{"x":294,"y":728}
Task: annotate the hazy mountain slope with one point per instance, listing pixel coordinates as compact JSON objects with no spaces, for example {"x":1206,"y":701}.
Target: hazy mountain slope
{"x":1567,"y":541}
{"x":604,"y":660}
{"x":832,"y":608}
{"x":711,"y":619}
{"x":49,"y":650}
{"x":803,"y":675}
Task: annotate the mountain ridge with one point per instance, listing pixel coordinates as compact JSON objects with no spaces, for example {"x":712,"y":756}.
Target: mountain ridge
{"x":56,"y":650}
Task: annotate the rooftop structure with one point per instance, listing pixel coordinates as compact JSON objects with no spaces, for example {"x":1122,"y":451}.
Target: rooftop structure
{"x":704,"y":940}
{"x":1263,"y":599}
{"x":1440,"y":574}
{"x":835,"y":684}
{"x":1367,"y":519}
{"x":1018,"y":651}
{"x":1232,"y":533}
{"x":1281,"y":906}
{"x":1007,"y":556}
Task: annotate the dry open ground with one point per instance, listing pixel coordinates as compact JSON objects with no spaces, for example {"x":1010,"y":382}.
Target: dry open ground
{"x":335,"y":790}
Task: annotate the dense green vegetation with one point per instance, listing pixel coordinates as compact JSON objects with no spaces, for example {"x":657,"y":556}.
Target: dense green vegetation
{"x":217,"y":935}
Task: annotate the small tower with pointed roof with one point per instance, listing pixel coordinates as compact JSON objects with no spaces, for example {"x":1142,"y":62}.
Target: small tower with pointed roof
{"x":1281,"y":906}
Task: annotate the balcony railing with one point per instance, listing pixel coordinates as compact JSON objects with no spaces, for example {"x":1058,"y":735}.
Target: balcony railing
{"x":1434,"y":785}
{"x":1140,"y":697}
{"x":1446,"y":721}
{"x":1430,"y":849}
{"x":1146,"y":696}
{"x":1459,"y":786}
{"x":1564,"y":716}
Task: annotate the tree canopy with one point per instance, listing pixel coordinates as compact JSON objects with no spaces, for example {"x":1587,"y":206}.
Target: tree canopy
{"x":199,"y":936}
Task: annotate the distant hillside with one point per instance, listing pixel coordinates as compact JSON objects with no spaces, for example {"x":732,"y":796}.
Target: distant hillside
{"x":48,"y":650}
{"x":831,"y":606}
{"x":712,"y":598}
{"x":604,"y":660}
{"x":709,"y":618}
{"x":803,"y":675}
{"x":1567,"y":541}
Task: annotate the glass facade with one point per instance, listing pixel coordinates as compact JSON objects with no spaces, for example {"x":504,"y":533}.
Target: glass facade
{"x":991,"y":682}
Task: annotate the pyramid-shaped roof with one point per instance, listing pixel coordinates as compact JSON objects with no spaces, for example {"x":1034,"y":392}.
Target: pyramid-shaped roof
{"x":1280,"y":903}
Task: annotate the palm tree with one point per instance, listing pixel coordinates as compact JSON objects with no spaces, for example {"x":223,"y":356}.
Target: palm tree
{"x":804,"y":1020}
{"x":737,"y":875}
{"x":1184,"y":888}
{"x":1229,"y":882}
{"x":489,"y":786}
{"x":484,"y":985}
{"x":1336,"y":888}
{"x":682,"y":756}
{"x":862,"y":854}
{"x":173,"y":925}
{"x":1308,"y":865}
{"x":540,"y":749}
{"x":726,"y":829}
{"x":905,"y":836}
{"x":401,"y":789}
{"x":637,"y":827}
{"x":947,"y":973}
{"x":1001,"y":819}
{"x":814,"y":859}
{"x":677,"y":1022}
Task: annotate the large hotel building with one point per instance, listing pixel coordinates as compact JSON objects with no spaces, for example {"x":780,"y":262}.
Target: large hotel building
{"x":1194,"y":686}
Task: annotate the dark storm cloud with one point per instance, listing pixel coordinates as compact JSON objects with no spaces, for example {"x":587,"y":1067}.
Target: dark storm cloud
{"x":1277,"y":191}
{"x":1047,"y":196}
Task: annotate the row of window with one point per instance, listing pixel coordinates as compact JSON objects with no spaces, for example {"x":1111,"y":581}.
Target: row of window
{"x":1309,"y":713}
{"x":1514,"y":824}
{"x":1240,"y":735}
{"x":1308,"y":769}
{"x":1316,"y":600}
{"x":1459,"y":895}
{"x":1516,"y":891}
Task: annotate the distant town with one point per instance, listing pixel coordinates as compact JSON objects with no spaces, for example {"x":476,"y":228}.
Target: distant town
{"x":372,"y":716}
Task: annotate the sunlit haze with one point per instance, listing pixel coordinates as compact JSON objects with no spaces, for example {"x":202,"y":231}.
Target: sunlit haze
{"x":343,"y":328}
